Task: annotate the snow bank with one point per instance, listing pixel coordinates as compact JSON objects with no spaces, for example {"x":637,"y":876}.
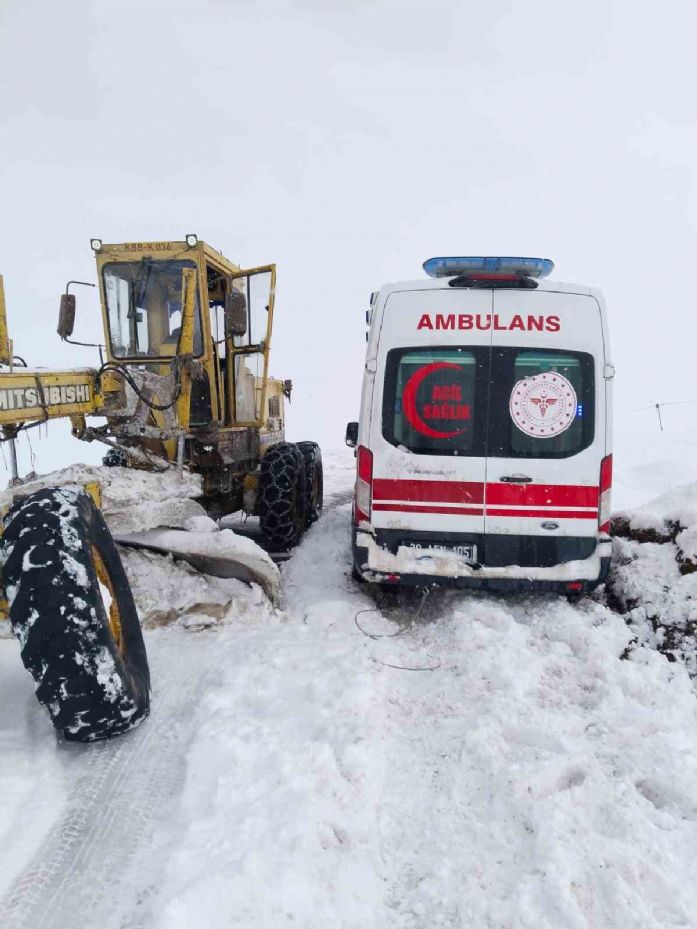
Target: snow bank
{"x":131,"y":499}
{"x":532,"y":779}
{"x":665,"y":515}
{"x":655,"y":546}
{"x":136,"y":504}
{"x":652,"y":580}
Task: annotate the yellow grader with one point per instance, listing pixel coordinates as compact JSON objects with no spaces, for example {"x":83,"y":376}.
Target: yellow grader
{"x":183,"y":384}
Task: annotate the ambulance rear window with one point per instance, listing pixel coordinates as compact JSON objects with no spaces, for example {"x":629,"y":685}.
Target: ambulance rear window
{"x":478,"y":401}
{"x":429,"y":401}
{"x":542,"y":403}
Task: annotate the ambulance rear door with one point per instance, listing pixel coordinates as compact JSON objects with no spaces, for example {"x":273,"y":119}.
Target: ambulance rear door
{"x":546,"y":435}
{"x":429,"y":418}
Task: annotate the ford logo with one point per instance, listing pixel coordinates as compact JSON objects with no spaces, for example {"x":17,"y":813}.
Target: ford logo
{"x":549,"y":525}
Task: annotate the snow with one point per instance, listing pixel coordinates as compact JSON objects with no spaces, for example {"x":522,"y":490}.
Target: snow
{"x":466,"y":761}
{"x":131,"y":499}
{"x":532,"y":779}
{"x":651,"y":582}
{"x":678,"y":506}
{"x":106,"y":675}
{"x":33,"y":787}
{"x":200,"y":524}
{"x":168,"y":592}
{"x":216,"y":553}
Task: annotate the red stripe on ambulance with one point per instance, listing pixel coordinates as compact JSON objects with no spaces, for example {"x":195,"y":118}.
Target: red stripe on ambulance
{"x":446,"y":510}
{"x":428,"y":491}
{"x":545,"y":513}
{"x":562,"y":501}
{"x":535,"y":495}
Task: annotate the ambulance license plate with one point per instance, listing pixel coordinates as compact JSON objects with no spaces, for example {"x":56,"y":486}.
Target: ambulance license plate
{"x":468,"y":553}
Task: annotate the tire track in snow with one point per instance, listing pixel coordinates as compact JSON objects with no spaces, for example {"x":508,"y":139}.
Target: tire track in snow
{"x":121,"y":794}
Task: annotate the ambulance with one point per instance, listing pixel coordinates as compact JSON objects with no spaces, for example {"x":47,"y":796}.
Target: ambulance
{"x":484,"y":447}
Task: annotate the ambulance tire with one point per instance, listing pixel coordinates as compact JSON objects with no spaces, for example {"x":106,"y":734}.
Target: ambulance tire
{"x":281,"y":501}
{"x":72,"y":609}
{"x":314,"y":481}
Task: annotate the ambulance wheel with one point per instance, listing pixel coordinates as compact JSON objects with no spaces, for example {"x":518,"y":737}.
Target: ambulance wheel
{"x":73,"y":612}
{"x":314,"y":481}
{"x":281,"y":502}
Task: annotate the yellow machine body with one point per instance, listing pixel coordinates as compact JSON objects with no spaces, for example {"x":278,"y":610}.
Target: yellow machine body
{"x":186,"y":376}
{"x":184,"y":384}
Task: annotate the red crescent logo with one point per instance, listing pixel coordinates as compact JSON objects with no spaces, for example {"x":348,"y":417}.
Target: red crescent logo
{"x":409,"y":400}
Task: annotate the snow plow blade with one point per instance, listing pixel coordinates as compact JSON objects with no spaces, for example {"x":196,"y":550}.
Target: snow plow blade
{"x":219,"y":554}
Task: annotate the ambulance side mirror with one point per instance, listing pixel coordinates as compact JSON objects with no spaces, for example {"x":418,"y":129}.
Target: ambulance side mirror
{"x":352,"y":435}
{"x":66,"y":316}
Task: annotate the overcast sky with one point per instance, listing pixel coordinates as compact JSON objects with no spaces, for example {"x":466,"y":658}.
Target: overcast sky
{"x":347,"y":142}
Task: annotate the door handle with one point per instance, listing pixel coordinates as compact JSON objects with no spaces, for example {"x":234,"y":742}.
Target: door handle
{"x":516,"y":479}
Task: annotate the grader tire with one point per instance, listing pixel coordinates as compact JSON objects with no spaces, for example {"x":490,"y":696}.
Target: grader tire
{"x":72,"y":610}
{"x":282,"y":496}
{"x":314,"y":481}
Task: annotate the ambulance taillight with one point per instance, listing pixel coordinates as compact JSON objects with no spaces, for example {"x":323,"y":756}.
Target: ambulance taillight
{"x":364,"y":485}
{"x":604,"y":511}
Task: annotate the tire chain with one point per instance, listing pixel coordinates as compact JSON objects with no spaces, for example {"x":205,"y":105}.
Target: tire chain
{"x":282,"y":495}
{"x":312,"y":456}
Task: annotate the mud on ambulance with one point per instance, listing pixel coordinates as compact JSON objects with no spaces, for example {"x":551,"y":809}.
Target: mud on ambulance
{"x":484,"y":442}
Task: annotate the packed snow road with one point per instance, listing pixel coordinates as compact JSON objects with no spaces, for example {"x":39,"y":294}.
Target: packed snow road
{"x":87,"y":863}
{"x":469,"y":761}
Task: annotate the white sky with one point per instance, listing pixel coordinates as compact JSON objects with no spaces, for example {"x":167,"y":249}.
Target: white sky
{"x":347,"y":142}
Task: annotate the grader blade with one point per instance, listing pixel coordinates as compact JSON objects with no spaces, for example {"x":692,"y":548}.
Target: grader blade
{"x":220,"y":554}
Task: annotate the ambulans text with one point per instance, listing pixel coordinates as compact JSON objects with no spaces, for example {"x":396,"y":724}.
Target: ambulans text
{"x":484,"y":321}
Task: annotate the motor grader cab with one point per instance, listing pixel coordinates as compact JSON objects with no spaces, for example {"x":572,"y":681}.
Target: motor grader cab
{"x":184,"y":384}
{"x":190,"y":334}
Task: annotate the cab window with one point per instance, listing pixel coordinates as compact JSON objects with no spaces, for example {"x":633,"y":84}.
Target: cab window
{"x":144,"y":307}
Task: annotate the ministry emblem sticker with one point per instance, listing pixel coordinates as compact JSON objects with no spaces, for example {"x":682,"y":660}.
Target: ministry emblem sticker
{"x":543,"y":405}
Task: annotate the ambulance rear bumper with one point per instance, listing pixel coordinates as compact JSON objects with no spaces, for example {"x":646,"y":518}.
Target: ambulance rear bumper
{"x":504,"y":563}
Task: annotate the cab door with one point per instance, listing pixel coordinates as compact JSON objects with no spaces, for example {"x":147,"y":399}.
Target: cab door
{"x":547,"y":421}
{"x":248,"y":325}
{"x":429,"y":418}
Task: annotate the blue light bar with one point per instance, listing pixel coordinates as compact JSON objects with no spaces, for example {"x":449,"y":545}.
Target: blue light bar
{"x":523,"y":267}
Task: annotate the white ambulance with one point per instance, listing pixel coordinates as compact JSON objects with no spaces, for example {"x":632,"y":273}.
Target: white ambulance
{"x":484,"y":455}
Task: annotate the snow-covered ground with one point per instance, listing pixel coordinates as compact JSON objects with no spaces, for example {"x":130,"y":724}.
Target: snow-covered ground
{"x":465,"y":761}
